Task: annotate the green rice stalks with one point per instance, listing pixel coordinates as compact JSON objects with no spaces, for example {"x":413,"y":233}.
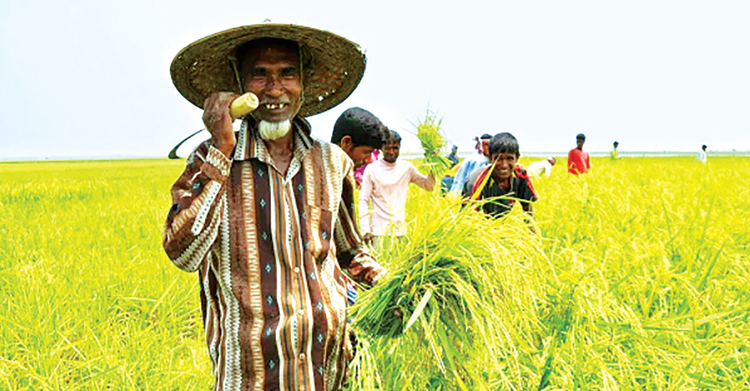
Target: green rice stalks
{"x":433,"y":143}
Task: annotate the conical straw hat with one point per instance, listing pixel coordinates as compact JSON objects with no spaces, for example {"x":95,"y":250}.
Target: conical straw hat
{"x":336,"y":65}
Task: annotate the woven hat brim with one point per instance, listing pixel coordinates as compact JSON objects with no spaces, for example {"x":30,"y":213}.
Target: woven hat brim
{"x":336,"y":68}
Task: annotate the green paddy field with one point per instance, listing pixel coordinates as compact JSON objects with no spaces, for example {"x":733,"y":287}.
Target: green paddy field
{"x":638,"y":279}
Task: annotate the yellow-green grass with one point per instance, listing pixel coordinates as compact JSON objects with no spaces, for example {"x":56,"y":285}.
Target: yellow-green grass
{"x":638,"y":279}
{"x":88,"y":301}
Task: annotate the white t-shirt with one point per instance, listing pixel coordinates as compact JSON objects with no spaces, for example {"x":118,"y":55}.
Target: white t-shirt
{"x":537,"y":169}
{"x":386,"y":184}
{"x":702,"y":157}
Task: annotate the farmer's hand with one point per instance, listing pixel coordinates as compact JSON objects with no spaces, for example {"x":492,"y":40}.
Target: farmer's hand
{"x":218,"y":121}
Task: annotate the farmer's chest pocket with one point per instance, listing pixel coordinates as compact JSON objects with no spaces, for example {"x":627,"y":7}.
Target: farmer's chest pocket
{"x":319,"y":227}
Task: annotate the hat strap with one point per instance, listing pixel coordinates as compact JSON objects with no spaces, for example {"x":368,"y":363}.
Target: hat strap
{"x":233,"y":61}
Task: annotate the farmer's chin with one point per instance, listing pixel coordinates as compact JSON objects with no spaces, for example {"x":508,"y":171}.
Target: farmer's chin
{"x":274,"y":130}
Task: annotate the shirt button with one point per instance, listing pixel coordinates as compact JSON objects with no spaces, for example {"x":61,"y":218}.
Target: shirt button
{"x":302,"y":357}
{"x":296,"y":270}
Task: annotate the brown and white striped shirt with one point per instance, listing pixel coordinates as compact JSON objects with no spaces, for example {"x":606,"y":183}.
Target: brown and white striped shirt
{"x":270,"y":250}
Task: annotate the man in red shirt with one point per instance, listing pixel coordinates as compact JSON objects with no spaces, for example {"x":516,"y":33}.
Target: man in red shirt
{"x":578,"y":161}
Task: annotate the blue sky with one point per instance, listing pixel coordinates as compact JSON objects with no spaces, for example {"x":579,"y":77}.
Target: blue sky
{"x":91,"y":78}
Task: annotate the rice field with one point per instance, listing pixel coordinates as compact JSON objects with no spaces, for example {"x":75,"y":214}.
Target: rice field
{"x":636,"y":279}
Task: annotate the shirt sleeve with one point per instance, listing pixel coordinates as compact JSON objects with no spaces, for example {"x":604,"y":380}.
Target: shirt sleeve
{"x":198,"y":202}
{"x":463,"y":171}
{"x":353,"y":254}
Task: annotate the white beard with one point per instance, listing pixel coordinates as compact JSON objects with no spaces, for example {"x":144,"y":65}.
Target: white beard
{"x":274,"y":130}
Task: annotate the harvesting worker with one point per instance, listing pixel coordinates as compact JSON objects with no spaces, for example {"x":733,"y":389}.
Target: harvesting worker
{"x":614,"y":155}
{"x":385,"y":186}
{"x":266,"y":215}
{"x":578,"y":160}
{"x":479,"y":158}
{"x":453,"y":156}
{"x":541,"y":167}
{"x":702,"y":155}
{"x":503,"y":182}
{"x":358,"y":133}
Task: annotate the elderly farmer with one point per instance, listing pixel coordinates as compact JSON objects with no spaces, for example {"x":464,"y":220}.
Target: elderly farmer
{"x":265,"y":215}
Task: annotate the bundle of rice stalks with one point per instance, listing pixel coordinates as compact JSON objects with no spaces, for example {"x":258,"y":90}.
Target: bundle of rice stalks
{"x":444,"y":316}
{"x":433,"y":143}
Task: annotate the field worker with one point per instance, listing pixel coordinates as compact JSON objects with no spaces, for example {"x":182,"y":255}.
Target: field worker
{"x":614,"y":155}
{"x":702,"y":155}
{"x":578,"y":160}
{"x":453,"y":156}
{"x":385,"y":185}
{"x":508,"y":181}
{"x":541,"y":167}
{"x":359,"y":174}
{"x":265,"y":215}
{"x":359,"y":133}
{"x":471,"y":163}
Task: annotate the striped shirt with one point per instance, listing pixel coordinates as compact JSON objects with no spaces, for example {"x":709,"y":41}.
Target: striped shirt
{"x":269,"y":250}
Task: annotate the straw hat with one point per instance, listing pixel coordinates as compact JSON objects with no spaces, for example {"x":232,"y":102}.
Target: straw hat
{"x":335,"y":69}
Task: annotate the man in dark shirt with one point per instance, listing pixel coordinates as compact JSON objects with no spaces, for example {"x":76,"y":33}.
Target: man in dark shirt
{"x":503,"y":182}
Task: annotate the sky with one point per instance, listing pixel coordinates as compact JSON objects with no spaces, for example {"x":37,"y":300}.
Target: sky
{"x":90,"y":79}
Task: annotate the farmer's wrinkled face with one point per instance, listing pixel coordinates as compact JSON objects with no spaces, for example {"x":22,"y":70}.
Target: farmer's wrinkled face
{"x":505,"y":163}
{"x":391,"y":152}
{"x":271,"y":71}
{"x":579,"y":142}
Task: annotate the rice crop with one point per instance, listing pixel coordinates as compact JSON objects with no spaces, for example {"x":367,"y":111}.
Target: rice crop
{"x":636,"y":279}
{"x":433,"y":144}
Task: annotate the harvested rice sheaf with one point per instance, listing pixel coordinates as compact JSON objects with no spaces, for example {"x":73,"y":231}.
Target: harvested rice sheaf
{"x":433,"y":144}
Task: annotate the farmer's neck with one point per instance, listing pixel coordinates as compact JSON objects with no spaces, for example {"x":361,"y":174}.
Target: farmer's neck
{"x":280,"y":151}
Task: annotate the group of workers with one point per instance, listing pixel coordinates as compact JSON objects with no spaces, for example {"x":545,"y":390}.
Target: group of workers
{"x":266,"y":216}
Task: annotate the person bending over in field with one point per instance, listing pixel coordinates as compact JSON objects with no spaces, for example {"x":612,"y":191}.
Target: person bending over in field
{"x":385,"y":184}
{"x":541,"y":167}
{"x":359,"y":133}
{"x":265,"y":215}
{"x":503,"y":182}
{"x":578,"y":160}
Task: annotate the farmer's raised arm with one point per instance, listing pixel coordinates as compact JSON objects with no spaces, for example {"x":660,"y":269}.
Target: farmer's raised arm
{"x":198,"y":196}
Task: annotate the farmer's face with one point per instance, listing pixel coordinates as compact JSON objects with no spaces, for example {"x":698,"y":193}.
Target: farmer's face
{"x":505,"y":163}
{"x":391,"y":152}
{"x":272,"y":73}
{"x":579,"y":143}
